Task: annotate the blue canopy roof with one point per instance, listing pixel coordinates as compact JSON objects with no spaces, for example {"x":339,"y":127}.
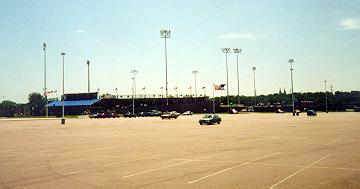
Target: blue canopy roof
{"x":73,"y":103}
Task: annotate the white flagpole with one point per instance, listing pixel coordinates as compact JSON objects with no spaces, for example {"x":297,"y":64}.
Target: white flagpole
{"x":214,"y":98}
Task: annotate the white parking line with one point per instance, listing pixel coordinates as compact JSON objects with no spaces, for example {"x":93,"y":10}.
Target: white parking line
{"x":332,"y":142}
{"x":74,"y":172}
{"x":235,"y":166}
{"x":120,"y":163}
{"x":300,"y":170}
{"x":315,"y":167}
{"x":168,"y":166}
{"x":176,"y":164}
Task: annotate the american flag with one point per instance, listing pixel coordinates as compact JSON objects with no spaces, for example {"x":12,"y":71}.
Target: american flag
{"x":220,"y":87}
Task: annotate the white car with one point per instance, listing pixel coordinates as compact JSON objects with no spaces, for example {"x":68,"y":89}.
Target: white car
{"x":187,"y":113}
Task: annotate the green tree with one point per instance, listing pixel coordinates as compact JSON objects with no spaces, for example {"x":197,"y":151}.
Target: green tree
{"x":36,"y":104}
{"x":7,"y":108}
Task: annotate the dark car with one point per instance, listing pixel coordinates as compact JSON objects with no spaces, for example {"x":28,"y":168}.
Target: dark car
{"x":210,"y":119}
{"x":311,"y":113}
{"x":169,"y":115}
{"x":153,"y":113}
{"x":129,"y":115}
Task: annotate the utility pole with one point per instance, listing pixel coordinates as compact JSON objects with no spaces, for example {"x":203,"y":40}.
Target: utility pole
{"x":134,"y":89}
{"x":63,"y":87}
{"x":254,"y":68}
{"x":88,"y":64}
{"x":165,"y":34}
{"x":195,"y":72}
{"x":326,"y":98}
{"x":291,"y":61}
{"x":45,"y":89}
{"x":226,"y":51}
{"x":237,"y":52}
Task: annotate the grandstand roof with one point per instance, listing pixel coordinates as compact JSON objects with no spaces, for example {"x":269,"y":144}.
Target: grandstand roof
{"x":73,"y":103}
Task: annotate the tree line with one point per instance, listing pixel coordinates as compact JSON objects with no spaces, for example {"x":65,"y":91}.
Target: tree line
{"x":338,"y":101}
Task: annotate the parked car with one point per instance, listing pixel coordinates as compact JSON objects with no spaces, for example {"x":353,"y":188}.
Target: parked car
{"x":141,"y":114}
{"x":153,"y":113}
{"x":95,"y":115}
{"x":114,"y":115}
{"x":210,"y":119}
{"x":129,"y":115}
{"x":311,"y":113}
{"x":233,"y":111}
{"x":169,"y":115}
{"x":98,"y":115}
{"x":279,"y":111}
{"x":187,"y":113}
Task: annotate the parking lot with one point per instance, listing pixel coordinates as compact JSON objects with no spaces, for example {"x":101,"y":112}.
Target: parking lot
{"x":255,"y":150}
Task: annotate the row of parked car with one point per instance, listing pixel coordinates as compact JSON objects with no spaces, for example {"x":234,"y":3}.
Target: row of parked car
{"x":151,"y":113}
{"x":208,"y":119}
{"x":105,"y":115}
{"x":297,"y":112}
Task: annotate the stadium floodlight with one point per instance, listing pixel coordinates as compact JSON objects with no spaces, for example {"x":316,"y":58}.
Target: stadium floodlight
{"x":226,"y":51}
{"x":195,"y":72}
{"x":253,"y":69}
{"x":63,"y":87}
{"x":165,"y":34}
{"x":88,"y":64}
{"x":291,"y":61}
{"x":134,"y":88}
{"x":237,"y":52}
{"x":326,"y":98}
{"x":45,"y":89}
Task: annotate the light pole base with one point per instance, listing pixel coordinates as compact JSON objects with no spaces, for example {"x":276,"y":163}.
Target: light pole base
{"x":62,"y":121}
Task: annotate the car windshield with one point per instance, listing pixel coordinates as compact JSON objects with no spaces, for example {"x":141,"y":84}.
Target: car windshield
{"x":207,"y":116}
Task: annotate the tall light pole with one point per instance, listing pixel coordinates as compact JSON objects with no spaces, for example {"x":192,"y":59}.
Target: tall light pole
{"x":63,"y":87}
{"x":165,"y":34}
{"x":326,"y":98}
{"x":226,"y":51}
{"x":134,"y":89}
{"x":237,"y":52}
{"x":88,"y":64}
{"x":254,"y":68}
{"x":195,"y":72}
{"x":45,"y":89}
{"x":291,"y":61}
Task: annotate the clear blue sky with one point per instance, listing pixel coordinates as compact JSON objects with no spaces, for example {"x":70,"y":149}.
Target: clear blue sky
{"x":117,"y":36}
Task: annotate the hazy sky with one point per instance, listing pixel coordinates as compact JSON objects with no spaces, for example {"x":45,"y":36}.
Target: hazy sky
{"x":117,"y":36}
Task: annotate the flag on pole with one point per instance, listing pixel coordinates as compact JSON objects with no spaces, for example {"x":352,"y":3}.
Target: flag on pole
{"x":143,"y":88}
{"x":161,"y":87}
{"x":190,"y":87}
{"x":175,"y":88}
{"x":203,"y":87}
{"x":220,"y":87}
